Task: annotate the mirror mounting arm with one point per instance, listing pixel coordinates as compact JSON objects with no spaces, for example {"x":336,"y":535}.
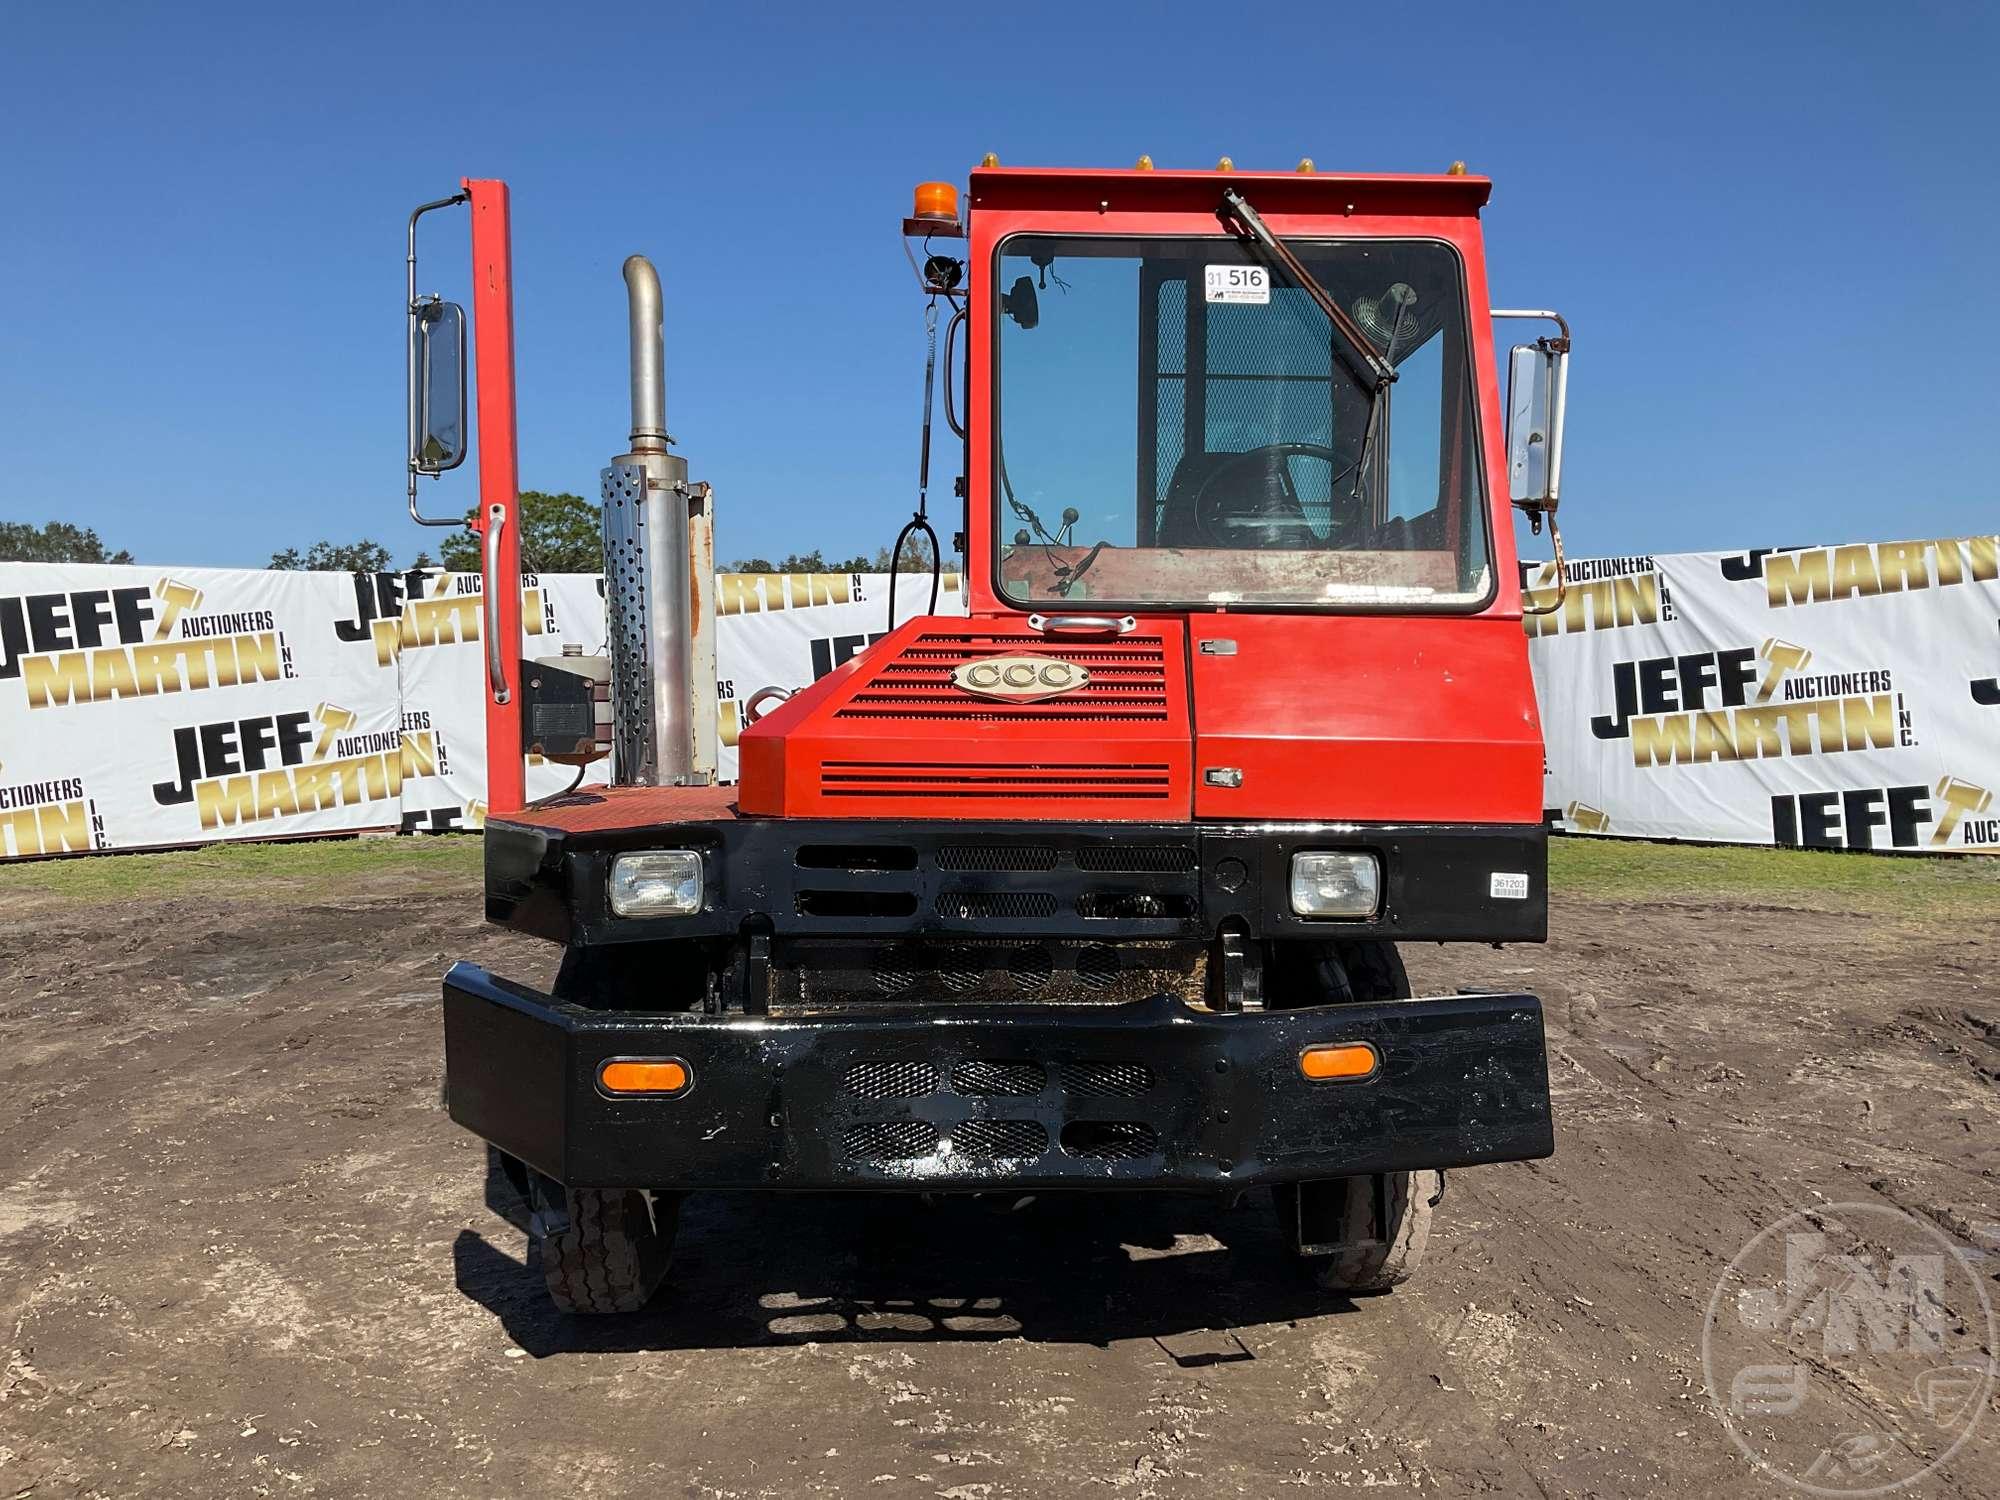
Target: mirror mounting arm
{"x":413,"y":311}
{"x":1555,"y":350}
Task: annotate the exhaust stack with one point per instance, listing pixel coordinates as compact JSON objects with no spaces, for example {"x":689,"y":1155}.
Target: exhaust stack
{"x":663,"y":724}
{"x":649,"y":359}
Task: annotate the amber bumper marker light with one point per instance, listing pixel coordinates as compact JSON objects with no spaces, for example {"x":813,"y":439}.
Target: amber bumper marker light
{"x":1348,"y":1060}
{"x":644,"y":1075}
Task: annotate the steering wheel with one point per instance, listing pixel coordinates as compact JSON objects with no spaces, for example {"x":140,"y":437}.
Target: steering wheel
{"x":1269,"y":525}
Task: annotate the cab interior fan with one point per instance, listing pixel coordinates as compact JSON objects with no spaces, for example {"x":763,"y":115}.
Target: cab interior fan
{"x":1390,"y":319}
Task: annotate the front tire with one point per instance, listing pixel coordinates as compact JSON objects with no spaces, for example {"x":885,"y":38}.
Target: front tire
{"x":1357,"y":1235}
{"x":602,"y":1250}
{"x":1378,"y":1227}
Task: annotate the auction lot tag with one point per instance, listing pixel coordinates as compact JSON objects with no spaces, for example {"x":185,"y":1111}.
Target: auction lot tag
{"x":1506,"y":886}
{"x":1238,"y":284}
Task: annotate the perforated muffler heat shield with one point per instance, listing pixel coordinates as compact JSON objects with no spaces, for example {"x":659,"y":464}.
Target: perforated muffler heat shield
{"x":646,"y":615}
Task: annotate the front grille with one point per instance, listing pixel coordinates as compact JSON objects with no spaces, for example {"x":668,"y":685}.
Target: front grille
{"x":966,"y":1102}
{"x":996,"y":857}
{"x":1125,"y":781}
{"x":1135,"y":859}
{"x":972,"y":906}
{"x":1130,"y":906}
{"x":890,"y":1140}
{"x":999,"y":1138}
{"x":1110,"y":1140}
{"x":1128,"y":681}
{"x":995,"y":1076}
{"x":1031,"y":968}
{"x":889,"y":1079}
{"x":1108,"y":1080}
{"x":1097,"y":965}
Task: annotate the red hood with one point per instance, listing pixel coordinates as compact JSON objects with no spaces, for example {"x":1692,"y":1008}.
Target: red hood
{"x":1314,"y":718}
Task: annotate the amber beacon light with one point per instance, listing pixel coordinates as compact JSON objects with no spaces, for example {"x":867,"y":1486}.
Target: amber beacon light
{"x":937,"y":202}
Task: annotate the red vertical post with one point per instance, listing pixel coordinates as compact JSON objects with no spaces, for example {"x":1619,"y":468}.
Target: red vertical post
{"x":499,"y":491}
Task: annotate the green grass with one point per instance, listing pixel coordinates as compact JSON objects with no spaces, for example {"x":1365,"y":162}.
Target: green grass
{"x":1821,"y":880}
{"x":1579,"y":869}
{"x":310,"y":870}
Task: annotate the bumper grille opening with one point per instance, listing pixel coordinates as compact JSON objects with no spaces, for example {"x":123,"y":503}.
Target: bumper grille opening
{"x":855,"y":857}
{"x":995,"y":857}
{"x":1141,"y":859}
{"x":1108,"y":1080}
{"x":1107,"y":906}
{"x":1097,"y":966}
{"x":825,"y":976}
{"x":1030,"y":968}
{"x":889,"y":1079}
{"x":1110,"y":1140}
{"x":890,"y":1140}
{"x":857,"y":903}
{"x":999,"y":1138}
{"x":973,"y":906}
{"x":1012,"y":1078}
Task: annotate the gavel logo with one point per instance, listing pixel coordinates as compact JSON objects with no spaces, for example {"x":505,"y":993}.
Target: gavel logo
{"x":175,"y":598}
{"x":333,"y":722}
{"x":1781,"y":657}
{"x":1587,"y":819}
{"x":1960,"y":798}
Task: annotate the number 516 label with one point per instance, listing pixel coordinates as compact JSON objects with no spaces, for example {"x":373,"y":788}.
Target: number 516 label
{"x":1238,"y":284}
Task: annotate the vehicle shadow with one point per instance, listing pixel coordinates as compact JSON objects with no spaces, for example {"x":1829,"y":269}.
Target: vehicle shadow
{"x":1087,"y":1268}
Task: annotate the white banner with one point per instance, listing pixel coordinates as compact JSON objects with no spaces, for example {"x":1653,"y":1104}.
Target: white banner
{"x":1830,"y":697}
{"x":1844,"y":697}
{"x":142,"y":708}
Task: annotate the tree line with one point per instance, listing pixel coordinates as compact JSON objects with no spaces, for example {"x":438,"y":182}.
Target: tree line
{"x":560,"y":533}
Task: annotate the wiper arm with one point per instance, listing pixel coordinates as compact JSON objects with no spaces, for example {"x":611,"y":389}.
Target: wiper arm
{"x":1369,"y":364}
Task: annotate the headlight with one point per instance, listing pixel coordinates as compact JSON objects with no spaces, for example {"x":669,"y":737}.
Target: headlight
{"x":1336,"y":885}
{"x":658,"y":883}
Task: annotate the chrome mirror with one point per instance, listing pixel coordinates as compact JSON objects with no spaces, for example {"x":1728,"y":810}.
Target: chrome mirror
{"x":1537,"y":385}
{"x":437,"y":391}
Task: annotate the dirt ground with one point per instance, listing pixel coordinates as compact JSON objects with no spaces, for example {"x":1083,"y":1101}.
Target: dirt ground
{"x":242,"y":1252}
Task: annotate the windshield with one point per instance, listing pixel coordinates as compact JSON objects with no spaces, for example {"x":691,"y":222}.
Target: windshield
{"x":1180,"y":424}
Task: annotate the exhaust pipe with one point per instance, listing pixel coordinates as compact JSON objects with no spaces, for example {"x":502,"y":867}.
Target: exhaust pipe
{"x":647,"y":590}
{"x":649,"y":357}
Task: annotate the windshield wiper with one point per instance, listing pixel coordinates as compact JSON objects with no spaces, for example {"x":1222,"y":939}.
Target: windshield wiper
{"x":1369,"y":365}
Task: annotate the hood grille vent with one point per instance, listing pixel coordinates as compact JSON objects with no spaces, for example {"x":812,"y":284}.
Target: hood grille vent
{"x":859,"y":780}
{"x":1128,"y":681}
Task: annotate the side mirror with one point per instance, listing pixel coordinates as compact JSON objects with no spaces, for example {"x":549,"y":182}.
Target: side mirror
{"x":1537,"y":377}
{"x":437,"y":386}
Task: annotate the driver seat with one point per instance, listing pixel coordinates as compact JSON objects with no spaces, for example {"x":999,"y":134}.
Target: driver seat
{"x":1255,"y":508}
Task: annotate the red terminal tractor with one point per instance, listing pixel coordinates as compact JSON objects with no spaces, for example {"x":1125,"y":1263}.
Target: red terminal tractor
{"x":1100,"y":884}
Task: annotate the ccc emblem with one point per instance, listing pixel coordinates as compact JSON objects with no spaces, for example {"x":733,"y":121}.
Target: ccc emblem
{"x":1019,"y":679}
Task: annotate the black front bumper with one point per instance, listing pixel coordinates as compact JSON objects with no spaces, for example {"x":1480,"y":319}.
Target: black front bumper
{"x":1151,"y":1093}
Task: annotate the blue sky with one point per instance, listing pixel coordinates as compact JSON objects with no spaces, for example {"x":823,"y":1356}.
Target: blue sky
{"x":1772,"y":226}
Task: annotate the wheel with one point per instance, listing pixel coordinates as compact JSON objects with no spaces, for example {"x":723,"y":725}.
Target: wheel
{"x":1356,"y":1234}
{"x":1360,"y":1234}
{"x":602,"y":1250}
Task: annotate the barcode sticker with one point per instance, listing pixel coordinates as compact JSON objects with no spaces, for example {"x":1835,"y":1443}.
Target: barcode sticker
{"x":1237,"y":283}
{"x":1508,"y":887}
